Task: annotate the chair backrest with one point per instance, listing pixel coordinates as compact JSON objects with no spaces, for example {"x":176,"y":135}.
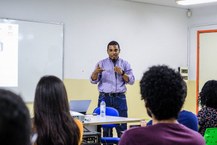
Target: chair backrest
{"x":210,"y":136}
{"x":186,"y":118}
{"x":110,"y":111}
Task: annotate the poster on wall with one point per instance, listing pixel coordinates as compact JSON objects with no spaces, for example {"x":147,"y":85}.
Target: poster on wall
{"x":8,"y":55}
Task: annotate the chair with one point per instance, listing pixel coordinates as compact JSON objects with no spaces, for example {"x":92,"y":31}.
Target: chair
{"x":186,"y":118}
{"x":110,"y":112}
{"x":210,"y":136}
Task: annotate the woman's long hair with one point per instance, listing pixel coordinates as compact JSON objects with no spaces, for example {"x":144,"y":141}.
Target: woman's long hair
{"x":53,"y":122}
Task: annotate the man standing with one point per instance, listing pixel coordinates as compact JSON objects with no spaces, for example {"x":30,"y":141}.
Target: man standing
{"x":112,"y":74}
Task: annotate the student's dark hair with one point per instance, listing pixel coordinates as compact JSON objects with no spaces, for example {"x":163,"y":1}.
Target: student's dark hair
{"x":164,"y":91}
{"x":113,"y":43}
{"x":208,"y":94}
{"x":53,"y":122}
{"x":15,"y":126}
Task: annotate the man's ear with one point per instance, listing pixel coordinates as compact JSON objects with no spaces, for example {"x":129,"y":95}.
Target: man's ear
{"x":146,"y":105}
{"x":148,"y":110}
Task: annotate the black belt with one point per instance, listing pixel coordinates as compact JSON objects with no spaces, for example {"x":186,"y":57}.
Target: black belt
{"x":111,"y":94}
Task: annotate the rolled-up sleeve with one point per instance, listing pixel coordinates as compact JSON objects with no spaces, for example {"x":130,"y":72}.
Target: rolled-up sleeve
{"x":96,"y":81}
{"x":128,"y":70}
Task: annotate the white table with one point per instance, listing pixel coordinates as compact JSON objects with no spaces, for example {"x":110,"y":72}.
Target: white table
{"x":97,"y":120}
{"x":91,"y":121}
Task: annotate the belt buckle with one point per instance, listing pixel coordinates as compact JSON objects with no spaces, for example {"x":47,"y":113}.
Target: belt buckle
{"x":112,"y":94}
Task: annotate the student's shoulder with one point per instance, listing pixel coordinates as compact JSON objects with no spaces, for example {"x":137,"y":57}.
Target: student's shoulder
{"x":78,"y":123}
{"x":198,"y":138}
{"x":137,"y":130}
{"x":196,"y":135}
{"x":186,"y":112}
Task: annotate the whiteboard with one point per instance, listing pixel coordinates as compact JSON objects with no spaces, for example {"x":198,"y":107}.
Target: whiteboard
{"x":40,"y":52}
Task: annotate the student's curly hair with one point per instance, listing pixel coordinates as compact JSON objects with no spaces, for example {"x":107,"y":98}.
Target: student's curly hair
{"x":208,"y":94}
{"x":164,"y":91}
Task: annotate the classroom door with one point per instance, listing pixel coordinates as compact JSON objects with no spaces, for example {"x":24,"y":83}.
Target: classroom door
{"x":206,"y":57}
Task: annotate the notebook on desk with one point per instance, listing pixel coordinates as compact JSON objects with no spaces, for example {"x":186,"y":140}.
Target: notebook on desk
{"x":80,"y":106}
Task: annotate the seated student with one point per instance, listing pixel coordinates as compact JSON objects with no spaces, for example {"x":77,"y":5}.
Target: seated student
{"x":163,"y":91}
{"x":52,"y":120}
{"x":15,"y":126}
{"x":207,"y":116}
{"x":186,"y":118}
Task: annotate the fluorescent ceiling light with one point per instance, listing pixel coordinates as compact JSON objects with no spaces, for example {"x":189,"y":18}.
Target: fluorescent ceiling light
{"x":193,"y":2}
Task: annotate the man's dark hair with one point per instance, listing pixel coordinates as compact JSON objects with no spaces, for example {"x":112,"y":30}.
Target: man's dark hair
{"x":113,"y":43}
{"x":208,"y":94}
{"x":164,"y":91}
{"x":15,"y":124}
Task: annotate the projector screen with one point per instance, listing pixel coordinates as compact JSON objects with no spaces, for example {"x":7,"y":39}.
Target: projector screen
{"x":8,"y":55}
{"x":28,"y":51}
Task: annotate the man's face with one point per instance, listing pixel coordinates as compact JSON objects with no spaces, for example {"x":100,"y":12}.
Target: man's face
{"x":113,"y":51}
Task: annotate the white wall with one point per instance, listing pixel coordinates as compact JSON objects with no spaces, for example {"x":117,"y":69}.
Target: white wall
{"x":203,"y":18}
{"x":147,"y":34}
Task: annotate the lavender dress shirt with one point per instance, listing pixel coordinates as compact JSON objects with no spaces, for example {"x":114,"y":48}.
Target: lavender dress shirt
{"x":111,"y":82}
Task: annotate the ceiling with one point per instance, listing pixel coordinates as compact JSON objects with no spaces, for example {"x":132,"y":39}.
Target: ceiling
{"x":170,"y":3}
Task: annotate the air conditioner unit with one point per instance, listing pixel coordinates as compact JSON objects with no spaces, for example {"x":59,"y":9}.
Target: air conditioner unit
{"x":184,"y":72}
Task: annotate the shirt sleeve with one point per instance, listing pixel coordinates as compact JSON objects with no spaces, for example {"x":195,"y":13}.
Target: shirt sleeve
{"x":81,"y":129}
{"x":128,"y":70}
{"x":201,"y":118}
{"x":96,"y":81}
{"x":123,"y":140}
